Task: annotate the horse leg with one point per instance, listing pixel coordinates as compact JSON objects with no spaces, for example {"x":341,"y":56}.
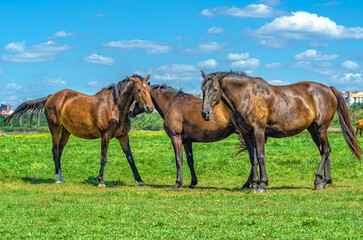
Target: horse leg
{"x":62,"y":142}
{"x":125,"y":144}
{"x":105,"y":139}
{"x":56,"y":132}
{"x":253,"y":177}
{"x":259,"y":137}
{"x":178,"y":150}
{"x":189,"y":153}
{"x":321,"y":134}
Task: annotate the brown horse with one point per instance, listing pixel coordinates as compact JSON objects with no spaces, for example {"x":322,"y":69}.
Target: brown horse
{"x":261,"y":110}
{"x":359,"y":127}
{"x":184,"y":125}
{"x":103,"y":115}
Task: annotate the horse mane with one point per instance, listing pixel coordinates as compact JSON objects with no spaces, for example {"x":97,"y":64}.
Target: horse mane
{"x":117,"y":88}
{"x":242,"y":74}
{"x":171,"y":90}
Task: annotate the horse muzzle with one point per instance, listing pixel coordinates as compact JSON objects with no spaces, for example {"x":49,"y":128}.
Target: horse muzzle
{"x":149,"y":109}
{"x":206,"y":114}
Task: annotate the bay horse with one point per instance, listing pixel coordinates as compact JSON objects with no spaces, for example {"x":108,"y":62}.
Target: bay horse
{"x":184,"y":124}
{"x":260,"y":110}
{"x":103,"y":115}
{"x":359,"y":127}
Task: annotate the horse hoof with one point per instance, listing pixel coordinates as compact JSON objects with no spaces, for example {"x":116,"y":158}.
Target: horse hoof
{"x":142,"y":183}
{"x":192,"y":186}
{"x":176,"y":187}
{"x":102,"y":185}
{"x":260,"y":190}
{"x":59,"y":181}
{"x":319,"y":187}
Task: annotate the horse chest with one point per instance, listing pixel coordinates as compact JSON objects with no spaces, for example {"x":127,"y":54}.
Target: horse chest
{"x":241,"y":124}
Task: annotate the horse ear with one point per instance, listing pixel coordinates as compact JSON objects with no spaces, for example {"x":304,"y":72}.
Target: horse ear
{"x":220,"y":77}
{"x":148,"y":83}
{"x":203,"y":74}
{"x":147,"y":78}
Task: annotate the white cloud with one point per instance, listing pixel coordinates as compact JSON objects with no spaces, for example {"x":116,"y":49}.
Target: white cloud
{"x":172,"y":72}
{"x":215,"y":30}
{"x":2,"y":71}
{"x":314,"y":55}
{"x":250,"y":63}
{"x":278,"y":82}
{"x":273,"y":65}
{"x":324,"y":68}
{"x":13,"y":87}
{"x":149,"y":46}
{"x":270,"y":2}
{"x":273,"y":43}
{"x":99,"y":59}
{"x":37,"y":53}
{"x":249,"y":11}
{"x":348,"y":78}
{"x":304,"y":25}
{"x":62,"y":34}
{"x":319,"y":44}
{"x":237,"y":56}
{"x":55,"y":82}
{"x":208,"y":64}
{"x":206,"y":48}
{"x":97,"y":84}
{"x":350,"y":65}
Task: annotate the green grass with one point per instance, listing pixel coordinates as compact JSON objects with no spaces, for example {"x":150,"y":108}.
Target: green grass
{"x":32,"y":206}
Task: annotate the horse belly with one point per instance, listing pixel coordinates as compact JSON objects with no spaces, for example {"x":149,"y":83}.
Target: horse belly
{"x":80,"y":126}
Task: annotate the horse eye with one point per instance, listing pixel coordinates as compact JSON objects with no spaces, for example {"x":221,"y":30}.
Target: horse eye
{"x":215,"y":90}
{"x":138,"y":90}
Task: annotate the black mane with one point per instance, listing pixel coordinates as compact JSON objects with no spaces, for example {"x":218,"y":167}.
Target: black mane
{"x":169,"y":89}
{"x":240,"y":74}
{"x":116,"y":88}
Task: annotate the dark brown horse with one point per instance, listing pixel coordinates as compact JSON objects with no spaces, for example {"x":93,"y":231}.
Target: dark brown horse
{"x":261,"y":110}
{"x":184,"y":125}
{"x":359,"y":127}
{"x":103,"y":115}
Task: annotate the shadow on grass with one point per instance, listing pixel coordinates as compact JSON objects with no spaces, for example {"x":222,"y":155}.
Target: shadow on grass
{"x":34,"y":180}
{"x":94,"y":181}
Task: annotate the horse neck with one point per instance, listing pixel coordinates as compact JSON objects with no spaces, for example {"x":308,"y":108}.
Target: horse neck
{"x":229,"y":95}
{"x":162,"y":100}
{"x":124,"y":99}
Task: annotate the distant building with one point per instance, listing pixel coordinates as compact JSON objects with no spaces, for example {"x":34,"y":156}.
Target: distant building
{"x":5,"y":107}
{"x":353,"y":97}
{"x":6,"y":112}
{"x":200,"y":95}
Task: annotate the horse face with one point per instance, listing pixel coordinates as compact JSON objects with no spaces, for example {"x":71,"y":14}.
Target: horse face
{"x":211,"y":95}
{"x":142,"y":94}
{"x":135,"y":110}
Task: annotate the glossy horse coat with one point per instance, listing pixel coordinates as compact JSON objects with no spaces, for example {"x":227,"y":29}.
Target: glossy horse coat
{"x":103,"y":115}
{"x":260,"y":110}
{"x":184,"y":124}
{"x":359,"y":127}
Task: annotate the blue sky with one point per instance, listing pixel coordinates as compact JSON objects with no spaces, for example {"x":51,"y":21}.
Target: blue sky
{"x":46,"y":46}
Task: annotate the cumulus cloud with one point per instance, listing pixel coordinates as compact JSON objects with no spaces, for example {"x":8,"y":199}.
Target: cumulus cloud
{"x":215,"y":30}
{"x":13,"y":87}
{"x":250,"y":63}
{"x":209,"y":64}
{"x":150,"y":47}
{"x":348,"y":80}
{"x":206,"y":48}
{"x":304,"y":25}
{"x":350,"y":65}
{"x":314,"y":55}
{"x":55,"y":82}
{"x":249,"y":11}
{"x":99,"y":59}
{"x":273,"y":65}
{"x":324,"y":68}
{"x":62,"y":34}
{"x":237,"y":56}
{"x":37,"y":53}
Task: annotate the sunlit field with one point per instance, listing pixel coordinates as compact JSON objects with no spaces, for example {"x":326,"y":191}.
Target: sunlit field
{"x":32,"y":206}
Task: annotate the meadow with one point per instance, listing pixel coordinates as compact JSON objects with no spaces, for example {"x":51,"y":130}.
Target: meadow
{"x":32,"y":206}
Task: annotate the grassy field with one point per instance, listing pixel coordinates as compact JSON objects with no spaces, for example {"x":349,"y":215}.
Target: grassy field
{"x":32,"y":206}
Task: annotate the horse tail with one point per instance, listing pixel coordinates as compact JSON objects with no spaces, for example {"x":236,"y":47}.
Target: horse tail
{"x":346,"y":126}
{"x":241,"y":145}
{"x":32,"y":106}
